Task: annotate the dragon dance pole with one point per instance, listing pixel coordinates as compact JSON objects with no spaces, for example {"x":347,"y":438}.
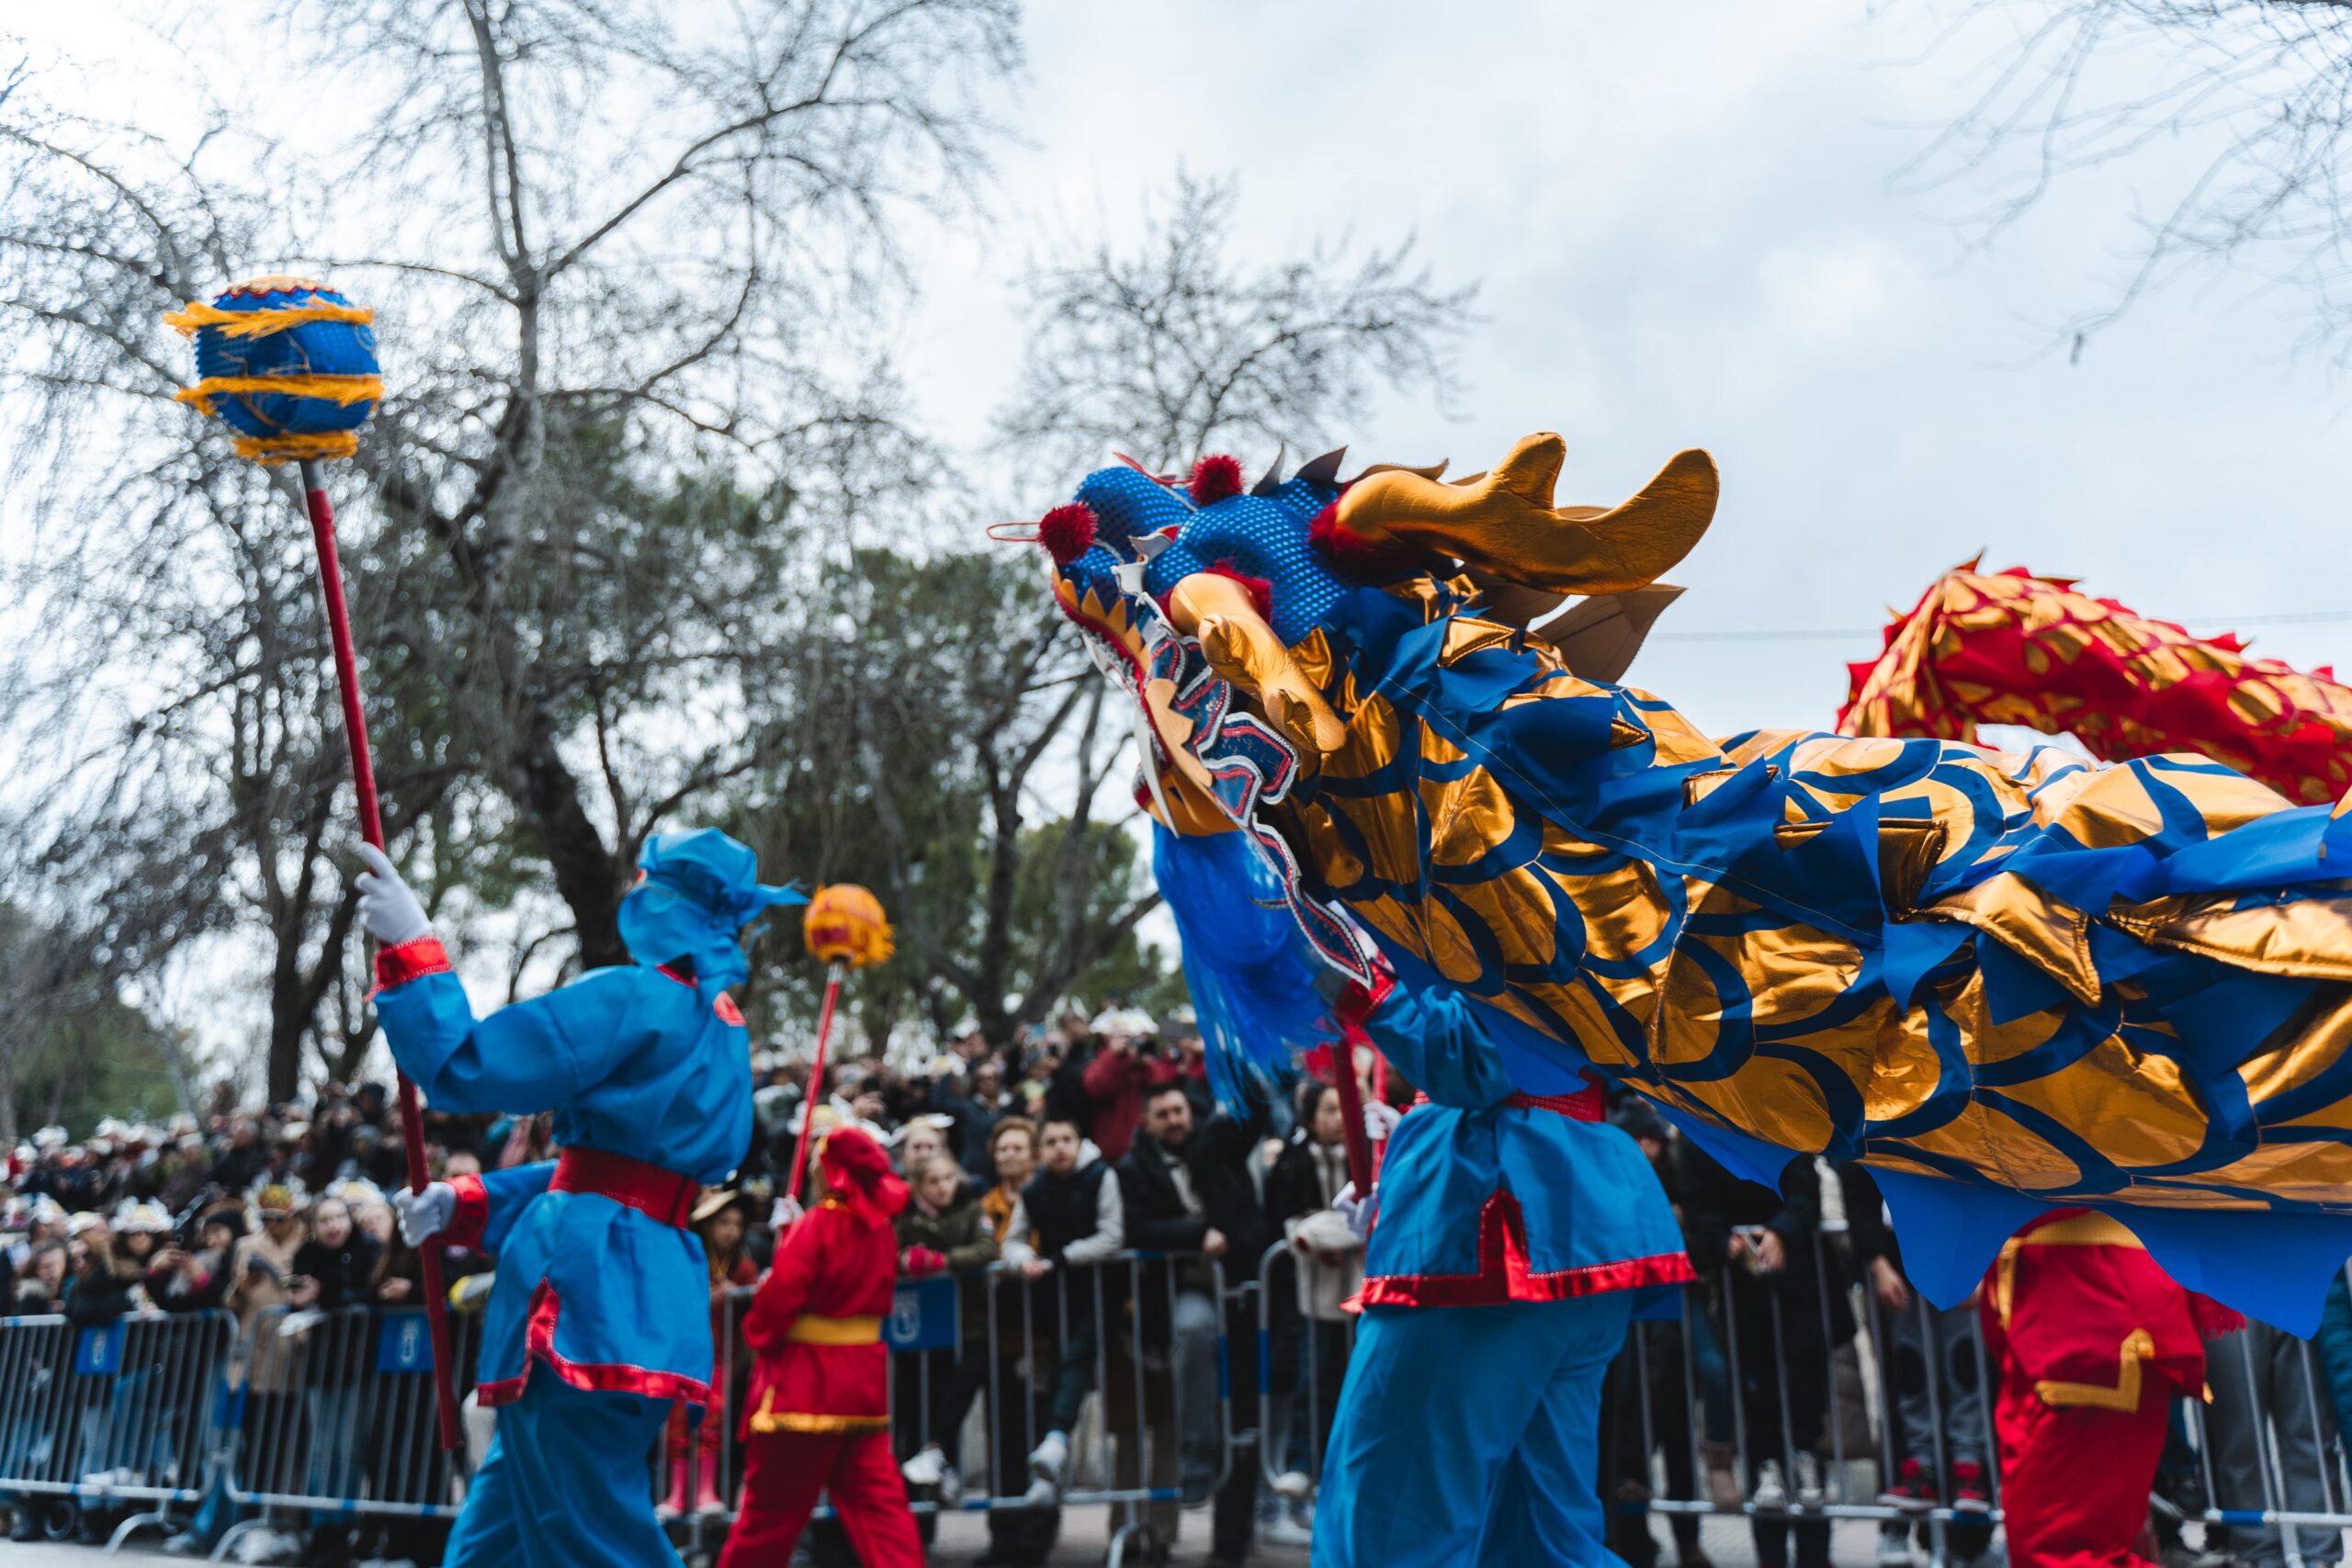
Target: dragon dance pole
{"x":289,"y":366}
{"x":816,"y":1090}
{"x":1343,"y":1077}
{"x":371,"y":827}
{"x":845,"y":927}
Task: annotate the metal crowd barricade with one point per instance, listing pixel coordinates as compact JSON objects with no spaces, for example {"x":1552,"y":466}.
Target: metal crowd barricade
{"x":1738,"y":1404}
{"x":1302,"y":1360}
{"x":313,"y":1416}
{"x":110,"y":1413}
{"x":330,"y":1415}
{"x":2263,"y":1469}
{"x":1134,"y":1343}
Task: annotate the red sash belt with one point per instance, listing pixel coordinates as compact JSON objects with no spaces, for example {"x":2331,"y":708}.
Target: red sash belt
{"x":658,"y":1194}
{"x":1590,"y":1103}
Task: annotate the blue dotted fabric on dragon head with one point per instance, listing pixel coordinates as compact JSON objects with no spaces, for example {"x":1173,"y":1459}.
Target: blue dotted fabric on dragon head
{"x":1258,"y":536}
{"x":1261,"y":536}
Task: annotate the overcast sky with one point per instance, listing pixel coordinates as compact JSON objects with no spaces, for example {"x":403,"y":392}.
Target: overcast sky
{"x":1687,"y":226}
{"x":1685,"y":221}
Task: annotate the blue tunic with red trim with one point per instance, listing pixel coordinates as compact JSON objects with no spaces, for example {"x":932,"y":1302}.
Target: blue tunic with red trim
{"x":1489,"y":1195}
{"x":634,"y":1062}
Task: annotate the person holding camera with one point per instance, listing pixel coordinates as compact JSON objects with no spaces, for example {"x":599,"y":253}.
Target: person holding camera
{"x":1125,"y":1071}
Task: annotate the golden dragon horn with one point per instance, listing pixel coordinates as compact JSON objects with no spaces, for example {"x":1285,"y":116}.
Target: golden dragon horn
{"x":1506,"y":523}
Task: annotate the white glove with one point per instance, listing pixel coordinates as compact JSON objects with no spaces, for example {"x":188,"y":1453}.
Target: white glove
{"x":425,"y":1214}
{"x":1356,"y":1211}
{"x":786,"y":1209}
{"x":1380,"y":1119}
{"x":386,"y":908}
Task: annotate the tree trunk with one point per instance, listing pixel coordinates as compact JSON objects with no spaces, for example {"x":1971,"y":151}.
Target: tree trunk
{"x":291,"y":1011}
{"x":587,"y":873}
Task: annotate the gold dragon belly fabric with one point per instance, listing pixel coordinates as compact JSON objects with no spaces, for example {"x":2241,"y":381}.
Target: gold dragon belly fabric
{"x":2006,"y":983}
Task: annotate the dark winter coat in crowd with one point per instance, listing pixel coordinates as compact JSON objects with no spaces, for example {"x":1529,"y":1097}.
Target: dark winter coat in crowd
{"x":108,"y":1287}
{"x":1714,"y":1203}
{"x":1216,"y":1162}
{"x":345,"y":1274}
{"x":1306,"y":1177}
{"x":1215,"y":1165}
{"x":959,"y":1233}
{"x":968,"y":1136}
{"x":236,"y":1169}
{"x":201,"y":1287}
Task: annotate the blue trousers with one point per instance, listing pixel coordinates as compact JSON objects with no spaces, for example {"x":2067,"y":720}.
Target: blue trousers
{"x":1471,"y":1436}
{"x":568,"y":1484}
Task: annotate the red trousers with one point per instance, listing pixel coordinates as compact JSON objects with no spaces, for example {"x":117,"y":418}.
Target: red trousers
{"x":2075,"y":1478}
{"x":783,"y":1475}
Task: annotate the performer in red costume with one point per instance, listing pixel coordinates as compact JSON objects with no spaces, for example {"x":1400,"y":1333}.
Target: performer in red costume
{"x":819,"y":1397}
{"x":2092,"y":1341}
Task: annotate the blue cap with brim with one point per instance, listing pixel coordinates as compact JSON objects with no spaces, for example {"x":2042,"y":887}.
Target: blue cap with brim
{"x":695,"y":892}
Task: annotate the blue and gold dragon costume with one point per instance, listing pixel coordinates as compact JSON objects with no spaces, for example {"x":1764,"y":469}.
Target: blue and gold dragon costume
{"x":2007,"y":983}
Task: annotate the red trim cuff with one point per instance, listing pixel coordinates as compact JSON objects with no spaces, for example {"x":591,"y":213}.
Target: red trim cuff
{"x":409,"y":961}
{"x":472,"y":1216}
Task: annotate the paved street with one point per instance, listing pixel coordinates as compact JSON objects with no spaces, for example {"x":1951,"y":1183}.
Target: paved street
{"x":1083,"y":1543}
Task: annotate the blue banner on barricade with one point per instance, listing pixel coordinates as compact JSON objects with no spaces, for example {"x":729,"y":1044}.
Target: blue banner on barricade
{"x":98,"y":1353}
{"x":923,"y":1315}
{"x":404,"y":1344}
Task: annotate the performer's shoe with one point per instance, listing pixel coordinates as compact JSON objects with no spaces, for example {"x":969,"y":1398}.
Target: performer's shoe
{"x":1772,"y":1493}
{"x":1968,"y":1493}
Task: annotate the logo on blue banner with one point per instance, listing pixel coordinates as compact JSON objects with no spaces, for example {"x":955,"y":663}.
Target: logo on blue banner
{"x":923,"y":1315}
{"x":403,"y":1345}
{"x":98,"y":1353}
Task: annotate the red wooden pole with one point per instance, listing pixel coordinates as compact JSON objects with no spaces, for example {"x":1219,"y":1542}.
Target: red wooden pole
{"x":1343,"y":1077}
{"x":371,"y":827}
{"x":816,"y":1091}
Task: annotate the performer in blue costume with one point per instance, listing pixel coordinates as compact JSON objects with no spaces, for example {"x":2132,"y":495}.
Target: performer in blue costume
{"x":600,"y":1317}
{"x":1513,"y":1236}
{"x":1516,"y":1233}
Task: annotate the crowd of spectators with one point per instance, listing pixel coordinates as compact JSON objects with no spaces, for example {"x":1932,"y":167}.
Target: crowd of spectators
{"x":1061,"y":1149}
{"x":1033,"y":1164}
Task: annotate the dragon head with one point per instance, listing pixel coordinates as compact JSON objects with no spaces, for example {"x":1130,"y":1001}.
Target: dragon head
{"x":1217,"y":608}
